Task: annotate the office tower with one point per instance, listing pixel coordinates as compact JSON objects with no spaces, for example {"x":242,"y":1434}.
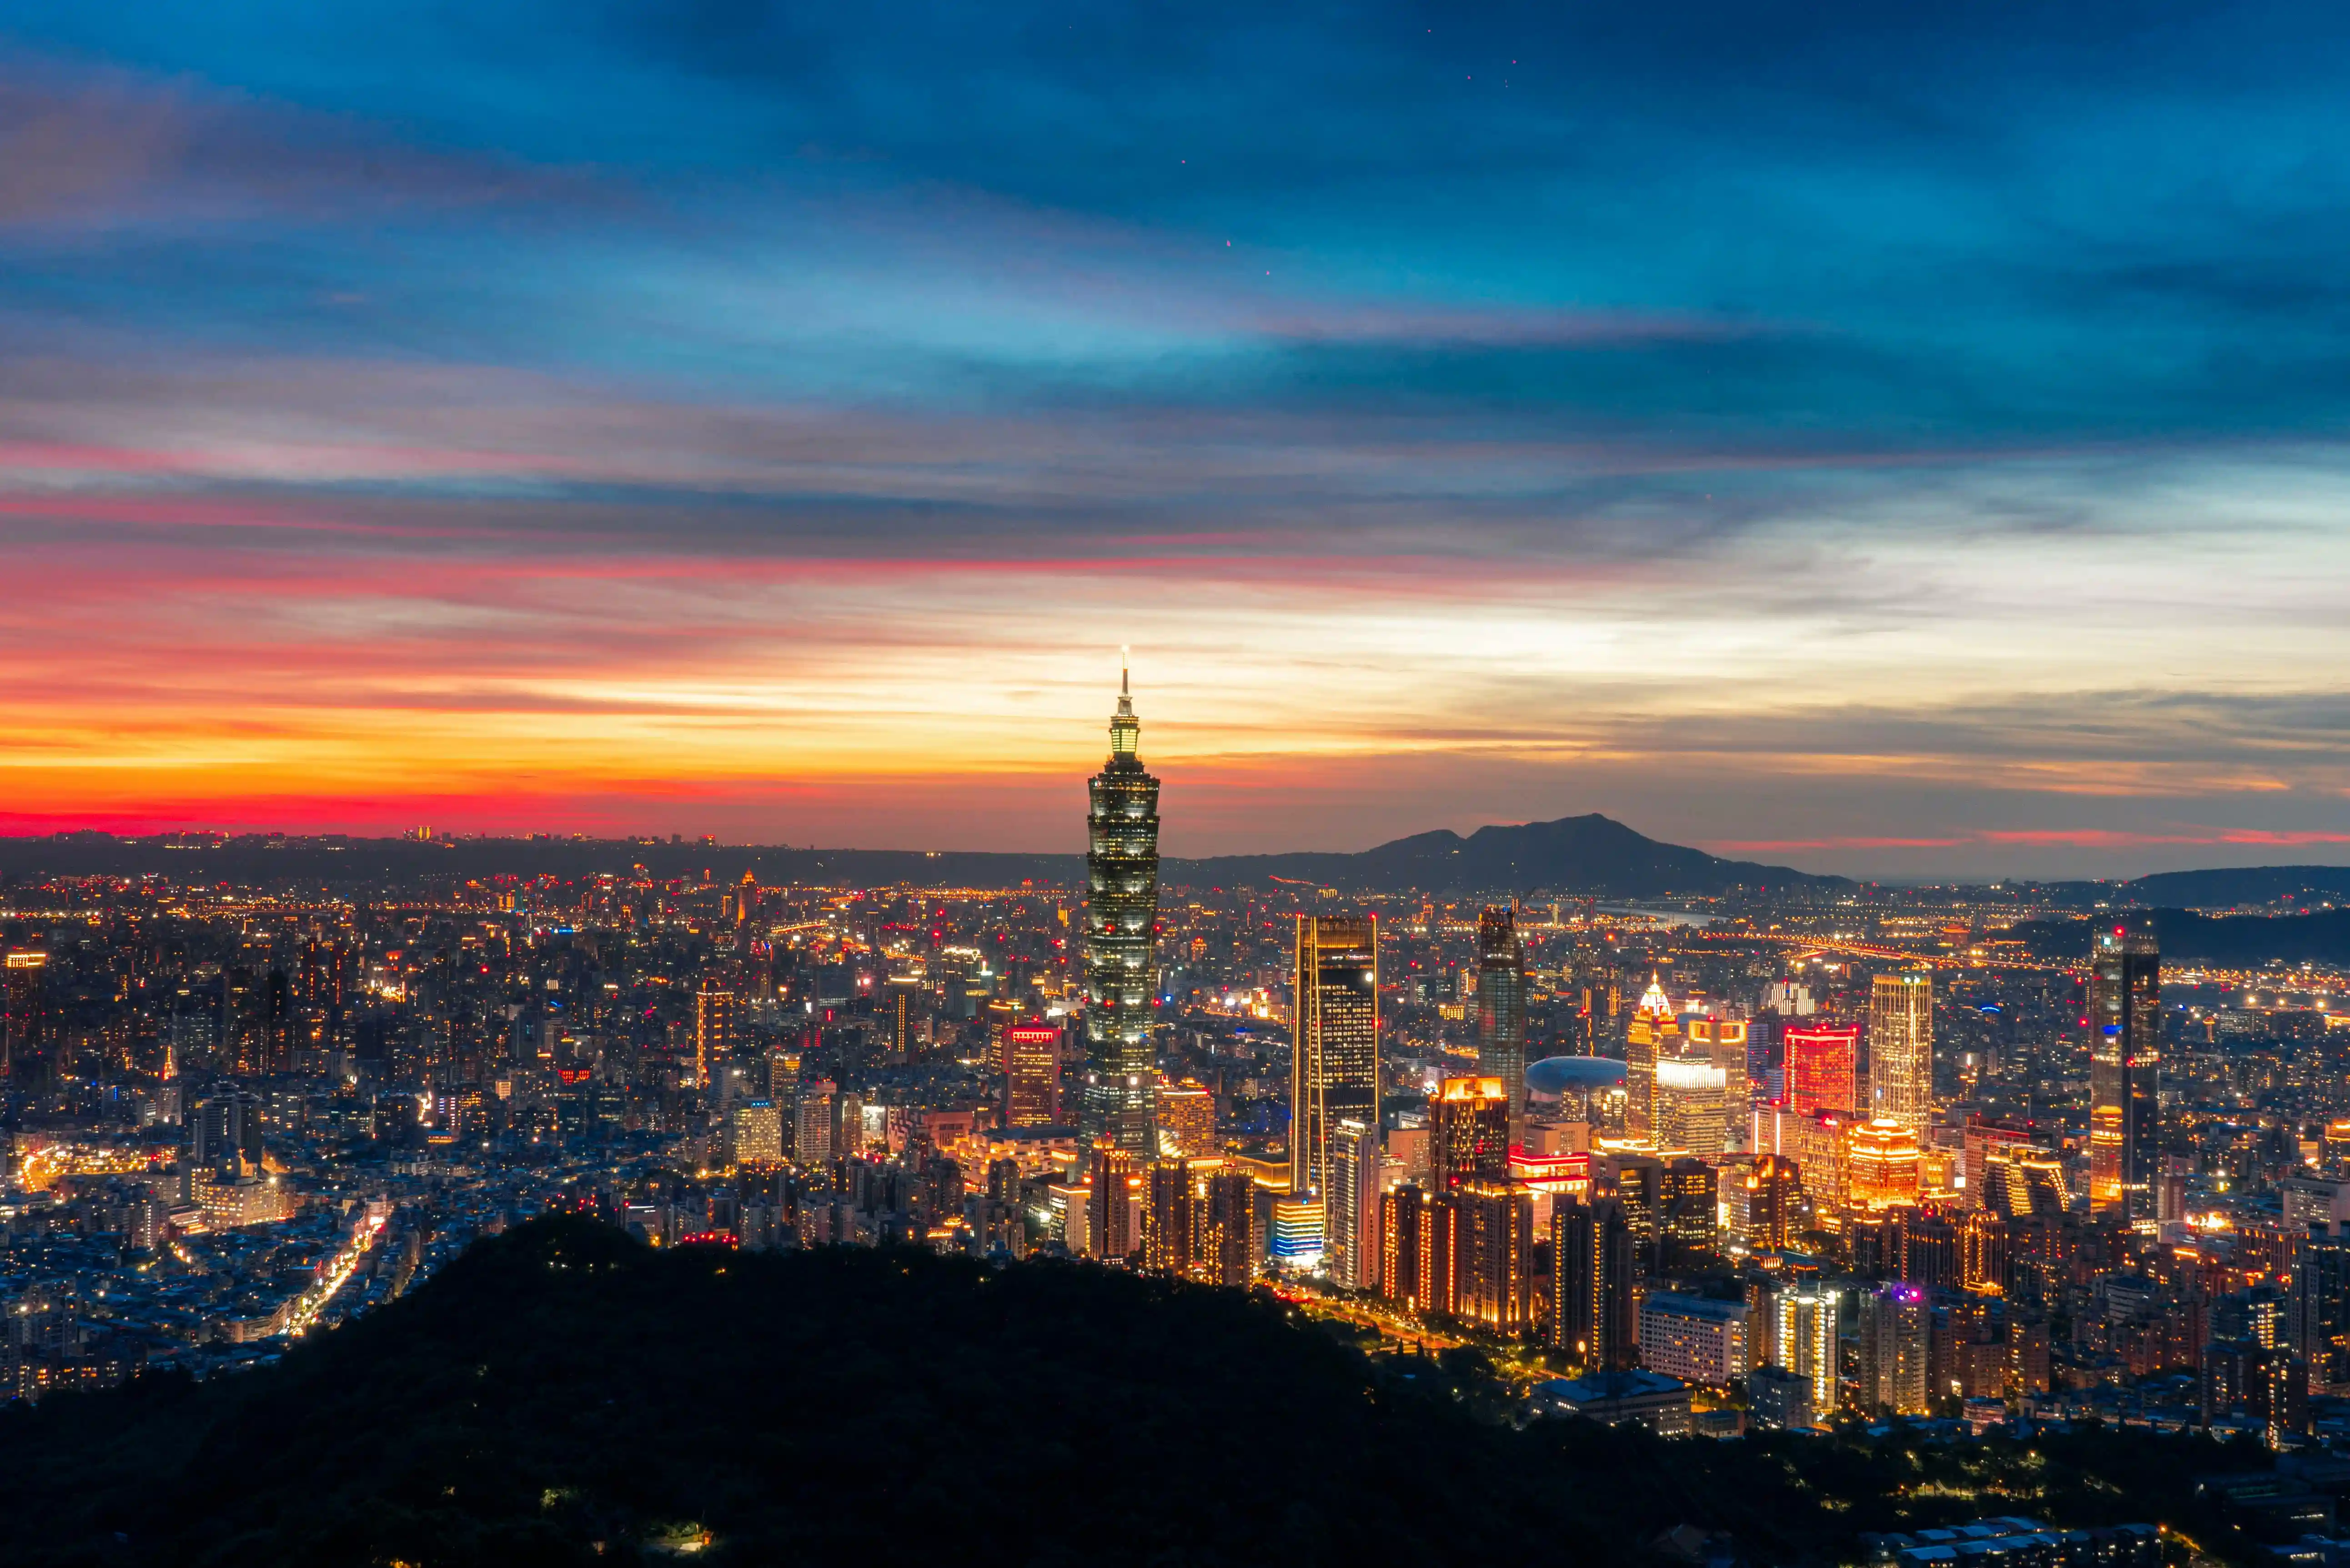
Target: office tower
{"x":1115,"y":1206}
{"x":1653,"y":1034}
{"x":2021,"y":1179}
{"x":1493,"y":1245}
{"x":1803,"y":1336}
{"x":1894,"y":1323}
{"x":1469,"y":1127}
{"x":713,"y":1030}
{"x":226,"y":1130}
{"x":1821,"y":1064}
{"x":1166,"y":1217}
{"x":1694,"y":1339}
{"x":1693,"y":1108}
{"x":1501,"y":1011}
{"x":1591,"y":1249}
{"x":897,"y":1018}
{"x":1901,"y":1048}
{"x":1351,"y":1206}
{"x":1690,"y":1212}
{"x":1121,"y":910}
{"x":1982,"y":1252}
{"x":754,"y":1135}
{"x":23,"y":1030}
{"x":1296,"y":1240}
{"x":1408,"y":1273}
{"x":1881,"y":1160}
{"x":812,"y":1126}
{"x":1334,"y":1040}
{"x":1226,"y":1240}
{"x":1187,"y":1120}
{"x":1774,"y":1202}
{"x":2320,"y":1311}
{"x":1032,"y":1075}
{"x":2125,"y":1055}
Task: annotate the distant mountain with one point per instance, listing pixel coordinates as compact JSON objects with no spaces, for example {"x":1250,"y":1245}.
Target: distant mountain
{"x":2230,"y":887}
{"x":1573,"y":854}
{"x":1593,"y":854}
{"x":2186,"y":935}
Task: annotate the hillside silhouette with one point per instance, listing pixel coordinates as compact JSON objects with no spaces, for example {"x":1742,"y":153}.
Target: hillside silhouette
{"x":564,"y":1395}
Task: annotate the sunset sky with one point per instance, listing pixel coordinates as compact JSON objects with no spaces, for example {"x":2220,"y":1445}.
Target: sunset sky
{"x":1892,"y":440}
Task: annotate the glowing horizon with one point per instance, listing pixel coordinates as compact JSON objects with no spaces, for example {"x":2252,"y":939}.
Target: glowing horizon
{"x":753,"y":435}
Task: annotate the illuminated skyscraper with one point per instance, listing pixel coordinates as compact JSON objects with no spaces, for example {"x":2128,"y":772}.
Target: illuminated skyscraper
{"x":1032,"y":1075}
{"x":1352,"y":1204}
{"x":713,"y":1030}
{"x":1775,"y":1204}
{"x":1693,"y":1108}
{"x":2125,"y":1055}
{"x":1493,"y":1245}
{"x":1653,"y":1034}
{"x":1592,"y":1317}
{"x":23,"y":1029}
{"x":1822,"y":1067}
{"x":1114,"y":1221}
{"x":1881,"y":1162}
{"x":1893,"y":1345}
{"x":1335,"y":1053}
{"x":1501,"y":1011}
{"x":1901,"y":1048}
{"x":1187,"y":1120}
{"x":1168,"y":1216}
{"x":1804,"y":1334}
{"x":1225,"y":1238}
{"x":1469,"y":1122}
{"x":1121,"y":908}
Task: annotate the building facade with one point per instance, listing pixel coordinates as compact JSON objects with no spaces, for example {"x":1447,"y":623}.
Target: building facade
{"x":1334,"y":1041}
{"x":2125,"y":1058}
{"x":1901,"y":1048}
{"x":1121,"y":911}
{"x":1501,"y":1011}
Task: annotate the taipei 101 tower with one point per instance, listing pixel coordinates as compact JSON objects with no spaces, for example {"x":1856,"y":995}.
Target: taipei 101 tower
{"x":1121,"y":973}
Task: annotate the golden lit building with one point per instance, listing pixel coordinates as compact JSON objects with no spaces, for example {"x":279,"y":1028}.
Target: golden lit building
{"x":1653,"y":1034}
{"x":1881,"y":1165}
{"x":1032,"y":1075}
{"x":1901,"y":1048}
{"x":715,"y":1023}
{"x":1693,"y":1107}
{"x":1334,"y":1040}
{"x":1187,"y":1120}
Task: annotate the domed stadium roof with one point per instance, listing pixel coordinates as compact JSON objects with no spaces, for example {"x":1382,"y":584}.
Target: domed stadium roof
{"x":1559,"y":1074}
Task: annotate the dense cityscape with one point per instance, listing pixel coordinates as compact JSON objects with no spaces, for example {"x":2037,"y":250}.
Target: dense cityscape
{"x":1720,"y":1163}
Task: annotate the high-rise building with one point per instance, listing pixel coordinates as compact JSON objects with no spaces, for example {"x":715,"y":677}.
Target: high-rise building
{"x":1694,"y":1339}
{"x":226,"y":1133}
{"x":1803,"y":1336}
{"x":1822,"y":1067}
{"x":813,"y":1122}
{"x":1501,"y":1011}
{"x":1334,"y":1040}
{"x":1591,"y":1318}
{"x":1901,"y":1048}
{"x":1187,"y":1120}
{"x":1409,"y":1270}
{"x":1115,"y":1206}
{"x":1168,"y":1215}
{"x":1881,"y":1164}
{"x":714,"y":1028}
{"x":1492,"y":1248}
{"x":1689,"y":1212}
{"x":2125,"y":1057}
{"x":754,"y":1135}
{"x":1225,"y":1239}
{"x":1893,"y":1325}
{"x":1775,"y":1204}
{"x":1653,"y":1034}
{"x":1121,"y":911}
{"x":23,"y":1028}
{"x":1351,"y":1206}
{"x":1468,"y":1126}
{"x":1693,"y":1106}
{"x":2320,"y":1311}
{"x":1032,"y":1075}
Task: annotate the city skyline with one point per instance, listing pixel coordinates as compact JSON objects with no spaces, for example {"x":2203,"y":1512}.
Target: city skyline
{"x":1897,"y":445}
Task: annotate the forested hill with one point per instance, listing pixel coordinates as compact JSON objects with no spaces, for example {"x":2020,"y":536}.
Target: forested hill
{"x":564,"y":1394}
{"x":2230,"y":941}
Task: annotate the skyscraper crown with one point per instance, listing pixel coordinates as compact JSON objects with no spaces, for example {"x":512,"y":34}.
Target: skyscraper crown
{"x":1125,"y":729}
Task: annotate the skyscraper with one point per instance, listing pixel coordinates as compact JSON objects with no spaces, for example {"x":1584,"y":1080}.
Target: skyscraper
{"x":1469,"y":1120}
{"x":2125,"y":1054}
{"x":1502,"y":1010}
{"x":714,"y":1029}
{"x":1901,"y":1048}
{"x":1592,"y":1317}
{"x":1121,"y":908}
{"x":1032,"y":1075}
{"x":1334,"y":1073}
{"x":1351,"y":1232}
{"x":1821,"y":1067}
{"x":1652,"y":1034}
